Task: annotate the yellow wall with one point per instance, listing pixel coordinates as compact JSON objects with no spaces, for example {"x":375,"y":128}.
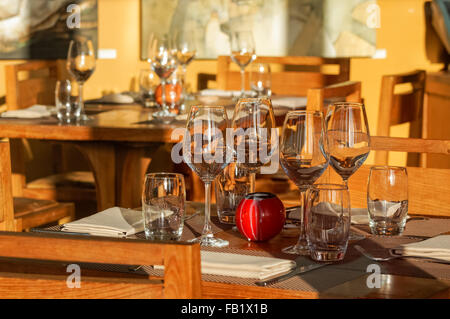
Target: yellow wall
{"x":402,"y":34}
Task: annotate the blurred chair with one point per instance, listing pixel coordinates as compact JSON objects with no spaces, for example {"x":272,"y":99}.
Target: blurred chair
{"x":428,"y":188}
{"x":401,"y":107}
{"x":297,"y":76}
{"x":17,"y":214}
{"x":33,"y":83}
{"x":349,"y":91}
{"x":31,"y":278}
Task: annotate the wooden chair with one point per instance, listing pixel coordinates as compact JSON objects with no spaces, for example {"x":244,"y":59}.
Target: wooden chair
{"x":28,"y":279}
{"x":32,"y":83}
{"x":428,"y":188}
{"x":349,"y":91}
{"x":299,"y":73}
{"x":398,"y":108}
{"x":17,"y":214}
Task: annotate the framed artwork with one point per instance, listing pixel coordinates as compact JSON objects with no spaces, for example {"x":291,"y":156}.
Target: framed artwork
{"x":42,"y":29}
{"x":327,"y":28}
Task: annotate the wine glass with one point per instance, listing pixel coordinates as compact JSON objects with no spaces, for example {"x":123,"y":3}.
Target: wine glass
{"x":253,"y":127}
{"x":348,"y":137}
{"x":348,"y":140}
{"x":260,"y":79}
{"x":186,"y":50}
{"x":163,"y":63}
{"x":304,"y":158}
{"x":205,"y":152}
{"x":148,"y":83}
{"x":81,"y":65}
{"x":242,"y":52}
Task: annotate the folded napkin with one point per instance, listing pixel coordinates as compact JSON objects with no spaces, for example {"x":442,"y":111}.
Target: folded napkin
{"x":242,"y":266}
{"x":437,"y":248}
{"x":289,"y":101}
{"x":113,"y":222}
{"x":33,"y":112}
{"x":223,"y":93}
{"x":118,"y":98}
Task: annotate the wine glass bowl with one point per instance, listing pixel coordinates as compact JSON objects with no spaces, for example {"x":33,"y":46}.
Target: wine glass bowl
{"x":81,"y":63}
{"x":242,"y":53}
{"x":253,"y":132}
{"x":205,"y":152}
{"x":304,"y":158}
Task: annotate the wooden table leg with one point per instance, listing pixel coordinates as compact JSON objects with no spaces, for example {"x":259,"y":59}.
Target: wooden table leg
{"x":131,"y":165}
{"x":102,"y":161}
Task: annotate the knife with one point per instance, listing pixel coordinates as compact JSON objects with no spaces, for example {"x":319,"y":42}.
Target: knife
{"x":296,"y":271}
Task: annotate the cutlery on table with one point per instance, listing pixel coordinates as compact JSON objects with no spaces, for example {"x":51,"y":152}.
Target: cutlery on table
{"x":296,"y":271}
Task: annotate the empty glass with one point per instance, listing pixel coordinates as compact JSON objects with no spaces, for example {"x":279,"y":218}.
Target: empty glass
{"x":328,"y":226}
{"x":231,"y":187}
{"x":163,"y":199}
{"x":387,"y":200}
{"x":67,"y":108}
{"x":148,"y":81}
{"x":242,"y":52}
{"x":261,"y":79}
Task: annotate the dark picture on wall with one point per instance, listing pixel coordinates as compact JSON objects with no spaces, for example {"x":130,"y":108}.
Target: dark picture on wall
{"x":42,"y":29}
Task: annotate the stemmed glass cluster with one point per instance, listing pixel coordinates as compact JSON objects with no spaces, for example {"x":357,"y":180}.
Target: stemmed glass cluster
{"x":309,"y":143}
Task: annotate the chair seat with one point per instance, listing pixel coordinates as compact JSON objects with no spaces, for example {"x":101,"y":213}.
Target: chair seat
{"x":35,"y":212}
{"x":70,"y":179}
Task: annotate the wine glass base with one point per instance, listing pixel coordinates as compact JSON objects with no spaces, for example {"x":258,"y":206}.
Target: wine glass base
{"x":296,"y":250}
{"x":210,"y":241}
{"x":165,"y":117}
{"x":85,"y":118}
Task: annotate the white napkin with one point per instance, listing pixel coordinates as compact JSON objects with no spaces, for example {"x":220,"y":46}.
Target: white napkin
{"x":113,"y":222}
{"x":437,"y":247}
{"x":33,"y":112}
{"x":242,"y":266}
{"x":289,"y":101}
{"x":223,"y":93}
{"x":117,"y":98}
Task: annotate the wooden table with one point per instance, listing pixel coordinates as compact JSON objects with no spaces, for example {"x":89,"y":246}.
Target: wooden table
{"x":118,"y":144}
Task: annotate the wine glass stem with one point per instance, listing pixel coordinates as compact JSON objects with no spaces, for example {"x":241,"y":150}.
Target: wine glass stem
{"x":183,"y":84}
{"x":80,"y":98}
{"x":207,"y":231}
{"x":242,"y":81}
{"x":163,"y":94}
{"x":302,"y":236}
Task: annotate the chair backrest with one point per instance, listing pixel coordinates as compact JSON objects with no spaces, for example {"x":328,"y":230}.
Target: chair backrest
{"x":401,"y":107}
{"x":6,"y":196}
{"x":428,"y":188}
{"x":349,"y":91}
{"x":181,"y":261}
{"x":299,"y":73}
{"x":32,"y":83}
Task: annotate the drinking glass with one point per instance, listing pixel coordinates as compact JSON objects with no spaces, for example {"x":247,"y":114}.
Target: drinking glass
{"x":242,"y":53}
{"x":148,"y":83}
{"x":186,"y":50}
{"x":163,"y":62}
{"x":254,"y":130}
{"x":348,"y":140}
{"x":205,"y":152}
{"x":348,"y":137}
{"x":387,"y":200}
{"x":231,"y":187}
{"x":304,"y":157}
{"x":163,"y":199}
{"x":81,"y":65}
{"x":328,"y":216}
{"x":68,"y":110}
{"x":261,"y":79}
